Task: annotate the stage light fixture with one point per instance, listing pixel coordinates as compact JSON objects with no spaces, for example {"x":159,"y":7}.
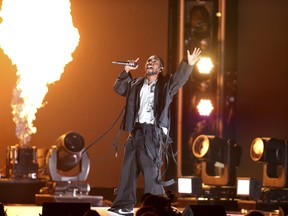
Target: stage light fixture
{"x":248,"y":188}
{"x":198,"y":26}
{"x":219,"y":159}
{"x":273,"y":154}
{"x":68,"y":166}
{"x":65,"y":155}
{"x":203,"y":99}
{"x":205,"y":65}
{"x":190,"y":185}
{"x":205,"y":107}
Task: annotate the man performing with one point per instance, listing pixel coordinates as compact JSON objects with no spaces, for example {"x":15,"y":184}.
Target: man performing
{"x":147,"y":118}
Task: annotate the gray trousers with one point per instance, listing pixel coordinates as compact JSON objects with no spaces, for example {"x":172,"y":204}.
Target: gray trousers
{"x":143,"y":154}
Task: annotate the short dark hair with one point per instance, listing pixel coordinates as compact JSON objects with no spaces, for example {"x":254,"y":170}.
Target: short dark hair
{"x":160,"y":59}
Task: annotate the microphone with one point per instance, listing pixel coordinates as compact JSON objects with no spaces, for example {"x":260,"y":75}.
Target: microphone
{"x":131,"y":64}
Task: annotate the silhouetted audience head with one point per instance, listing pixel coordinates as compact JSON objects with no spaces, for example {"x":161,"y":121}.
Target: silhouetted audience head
{"x":283,"y":210}
{"x":2,"y":210}
{"x":156,"y":205}
{"x":147,"y":211}
{"x":91,"y":212}
{"x":254,"y":213}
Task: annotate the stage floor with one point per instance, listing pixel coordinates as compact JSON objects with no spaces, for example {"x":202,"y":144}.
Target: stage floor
{"x":32,"y":210}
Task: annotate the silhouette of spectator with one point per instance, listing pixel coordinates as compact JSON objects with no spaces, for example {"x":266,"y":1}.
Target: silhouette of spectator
{"x":2,"y":210}
{"x":147,"y":211}
{"x":156,"y":205}
{"x":91,"y":212}
{"x":254,"y":213}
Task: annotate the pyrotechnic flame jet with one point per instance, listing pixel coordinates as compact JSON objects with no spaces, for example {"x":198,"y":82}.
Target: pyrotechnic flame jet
{"x":39,"y":37}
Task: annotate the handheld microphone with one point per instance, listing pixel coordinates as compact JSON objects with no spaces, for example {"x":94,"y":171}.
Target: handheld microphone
{"x":131,"y":64}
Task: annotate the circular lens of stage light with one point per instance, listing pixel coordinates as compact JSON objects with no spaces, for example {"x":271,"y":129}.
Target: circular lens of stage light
{"x":257,"y":149}
{"x":74,"y":142}
{"x":200,"y":146}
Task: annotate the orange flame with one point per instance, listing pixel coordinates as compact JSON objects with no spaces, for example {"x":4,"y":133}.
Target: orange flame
{"x":39,"y":38}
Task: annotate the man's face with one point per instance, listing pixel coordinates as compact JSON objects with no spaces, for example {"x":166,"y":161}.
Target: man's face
{"x":153,"y":66}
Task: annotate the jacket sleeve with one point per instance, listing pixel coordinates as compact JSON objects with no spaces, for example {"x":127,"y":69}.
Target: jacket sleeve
{"x":122,"y":83}
{"x":180,"y":77}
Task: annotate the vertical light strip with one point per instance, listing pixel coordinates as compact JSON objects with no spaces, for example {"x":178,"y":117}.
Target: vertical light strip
{"x":180,"y":93}
{"x":220,"y":84}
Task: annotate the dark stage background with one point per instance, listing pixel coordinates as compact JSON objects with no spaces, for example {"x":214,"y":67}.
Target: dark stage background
{"x":83,"y":100}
